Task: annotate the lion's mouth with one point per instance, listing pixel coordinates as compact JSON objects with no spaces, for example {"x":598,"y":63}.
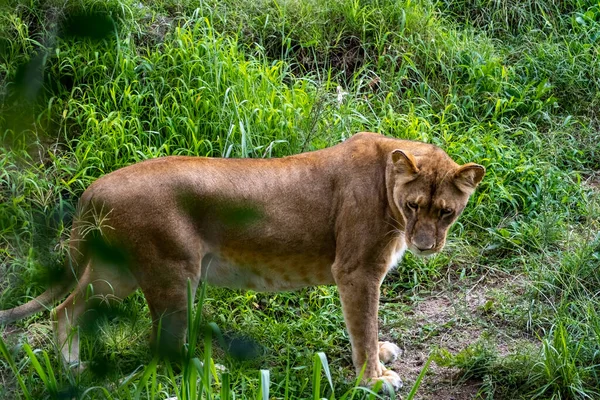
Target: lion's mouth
{"x":422,"y":253}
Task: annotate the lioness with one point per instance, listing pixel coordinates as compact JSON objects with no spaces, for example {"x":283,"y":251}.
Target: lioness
{"x":343,"y":215}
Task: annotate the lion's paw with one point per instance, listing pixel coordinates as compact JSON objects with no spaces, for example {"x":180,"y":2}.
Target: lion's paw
{"x":388,"y":352}
{"x":390,"y":379}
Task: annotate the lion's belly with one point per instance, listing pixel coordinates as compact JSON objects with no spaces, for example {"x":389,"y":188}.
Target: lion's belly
{"x":265,"y":272}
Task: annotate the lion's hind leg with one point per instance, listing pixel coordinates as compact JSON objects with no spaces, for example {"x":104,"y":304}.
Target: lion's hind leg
{"x":167,"y":300}
{"x":100,"y":283}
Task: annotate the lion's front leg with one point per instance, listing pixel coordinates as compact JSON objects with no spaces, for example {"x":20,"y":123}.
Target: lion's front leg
{"x":359,"y":294}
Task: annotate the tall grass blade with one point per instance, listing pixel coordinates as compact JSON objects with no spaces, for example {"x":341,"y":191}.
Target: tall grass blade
{"x":207,"y":381}
{"x":377,"y":387}
{"x":226,"y":386}
{"x":6,"y":354}
{"x":417,"y":384}
{"x":190,"y":384}
{"x":38,"y":367}
{"x":325,"y":365}
{"x":265,"y":383}
{"x":320,"y":363}
{"x":51,"y":377}
{"x":349,"y":395}
{"x":316,"y":377}
{"x":149,"y":371}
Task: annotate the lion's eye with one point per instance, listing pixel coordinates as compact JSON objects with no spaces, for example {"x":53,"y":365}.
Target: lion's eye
{"x":444,"y":212}
{"x":412,"y":205}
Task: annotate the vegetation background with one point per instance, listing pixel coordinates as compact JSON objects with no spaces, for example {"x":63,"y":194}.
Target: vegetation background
{"x":509,"y":310}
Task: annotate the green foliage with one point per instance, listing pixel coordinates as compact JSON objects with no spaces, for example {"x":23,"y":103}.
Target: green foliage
{"x":88,"y":86}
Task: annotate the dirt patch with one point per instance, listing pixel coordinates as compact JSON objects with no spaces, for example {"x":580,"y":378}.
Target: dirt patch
{"x":453,"y":317}
{"x":435,"y":319}
{"x":439,"y":382}
{"x":593,"y":181}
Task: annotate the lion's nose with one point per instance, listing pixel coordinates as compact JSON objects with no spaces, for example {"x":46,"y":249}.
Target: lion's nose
{"x":425,"y":248}
{"x":424,"y":242}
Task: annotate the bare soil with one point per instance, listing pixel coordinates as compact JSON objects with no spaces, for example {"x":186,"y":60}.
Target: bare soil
{"x":453,"y":317}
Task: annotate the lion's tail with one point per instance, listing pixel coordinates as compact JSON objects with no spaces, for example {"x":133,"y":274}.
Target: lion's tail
{"x":56,"y":291}
{"x":43,"y":301}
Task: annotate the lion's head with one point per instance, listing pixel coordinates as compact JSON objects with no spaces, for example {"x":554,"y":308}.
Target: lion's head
{"x":429,"y":191}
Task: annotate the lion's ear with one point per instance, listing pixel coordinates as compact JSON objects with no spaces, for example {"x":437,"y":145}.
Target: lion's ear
{"x":404,"y":162}
{"x":468,"y":176}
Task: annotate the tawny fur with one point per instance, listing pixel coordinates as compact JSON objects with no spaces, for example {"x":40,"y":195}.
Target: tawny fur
{"x":342,"y":215}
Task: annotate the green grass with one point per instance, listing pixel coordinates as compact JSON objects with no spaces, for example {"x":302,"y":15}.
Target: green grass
{"x":90,"y":86}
